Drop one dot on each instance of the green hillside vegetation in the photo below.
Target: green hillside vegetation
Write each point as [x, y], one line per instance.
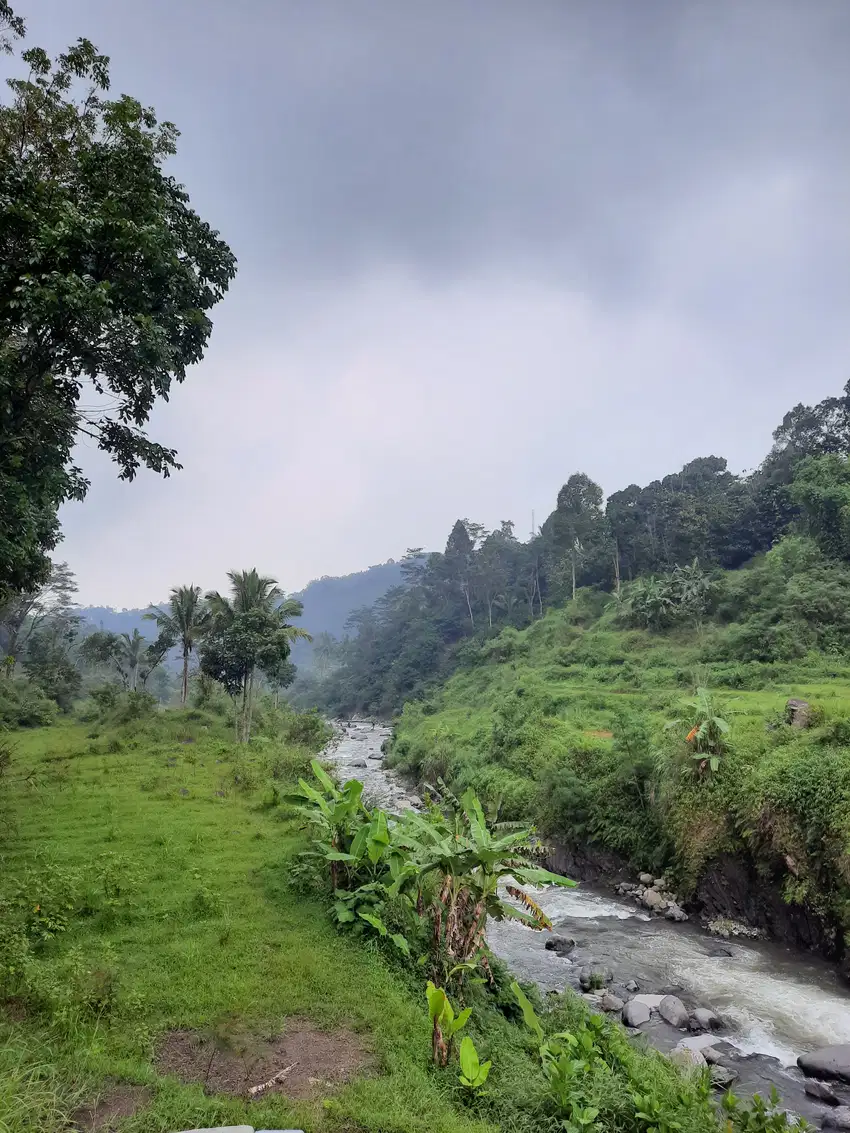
[154, 890]
[581, 723]
[663, 543]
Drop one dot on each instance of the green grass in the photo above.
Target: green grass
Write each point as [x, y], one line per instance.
[193, 841]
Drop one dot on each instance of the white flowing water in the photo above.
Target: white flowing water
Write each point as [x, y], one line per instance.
[776, 1002]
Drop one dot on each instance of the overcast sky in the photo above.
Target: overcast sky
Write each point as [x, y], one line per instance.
[482, 244]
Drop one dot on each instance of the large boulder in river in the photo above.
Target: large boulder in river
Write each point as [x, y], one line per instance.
[673, 1011]
[837, 1118]
[676, 913]
[830, 1062]
[687, 1059]
[706, 1020]
[653, 900]
[635, 1013]
[821, 1090]
[722, 1077]
[611, 1002]
[563, 945]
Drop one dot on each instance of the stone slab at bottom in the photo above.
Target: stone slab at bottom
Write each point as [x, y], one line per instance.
[222, 1129]
[239, 1129]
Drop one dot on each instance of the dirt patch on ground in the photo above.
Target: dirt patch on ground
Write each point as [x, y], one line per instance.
[317, 1061]
[600, 733]
[14, 1010]
[120, 1101]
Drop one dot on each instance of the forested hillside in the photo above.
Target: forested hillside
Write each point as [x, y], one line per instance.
[622, 678]
[661, 552]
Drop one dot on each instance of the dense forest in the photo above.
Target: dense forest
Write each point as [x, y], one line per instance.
[659, 551]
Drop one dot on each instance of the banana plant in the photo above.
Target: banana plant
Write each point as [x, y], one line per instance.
[335, 815]
[473, 1073]
[445, 1023]
[471, 862]
[442, 870]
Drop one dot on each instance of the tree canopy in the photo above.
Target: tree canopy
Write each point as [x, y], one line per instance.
[107, 276]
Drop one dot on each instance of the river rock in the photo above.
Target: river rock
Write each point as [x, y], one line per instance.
[646, 879]
[632, 986]
[674, 913]
[838, 1118]
[651, 1001]
[594, 976]
[659, 883]
[821, 1090]
[706, 1020]
[673, 1011]
[653, 900]
[563, 945]
[635, 1013]
[687, 1059]
[830, 1062]
[359, 763]
[722, 1077]
[712, 1055]
[612, 1002]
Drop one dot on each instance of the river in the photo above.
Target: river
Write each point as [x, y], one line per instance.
[775, 1002]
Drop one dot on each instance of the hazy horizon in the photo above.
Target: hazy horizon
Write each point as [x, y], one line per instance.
[480, 248]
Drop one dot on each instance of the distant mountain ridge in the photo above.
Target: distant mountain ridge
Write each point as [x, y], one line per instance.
[328, 602]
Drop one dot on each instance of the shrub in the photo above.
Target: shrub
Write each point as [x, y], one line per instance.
[24, 705]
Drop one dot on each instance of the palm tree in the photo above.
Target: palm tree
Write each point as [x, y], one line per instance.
[325, 650]
[130, 657]
[184, 620]
[253, 593]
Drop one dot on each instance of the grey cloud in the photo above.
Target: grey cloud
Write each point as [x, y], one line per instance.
[482, 243]
[458, 134]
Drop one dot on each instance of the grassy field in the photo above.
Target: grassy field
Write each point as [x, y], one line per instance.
[180, 917]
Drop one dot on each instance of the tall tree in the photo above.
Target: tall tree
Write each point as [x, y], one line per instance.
[458, 561]
[131, 656]
[325, 651]
[23, 615]
[106, 279]
[821, 490]
[576, 527]
[250, 632]
[184, 620]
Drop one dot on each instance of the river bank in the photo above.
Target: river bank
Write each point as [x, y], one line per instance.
[774, 1003]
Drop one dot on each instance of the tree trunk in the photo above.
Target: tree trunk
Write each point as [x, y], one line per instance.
[469, 607]
[250, 708]
[573, 564]
[184, 691]
[616, 568]
[242, 736]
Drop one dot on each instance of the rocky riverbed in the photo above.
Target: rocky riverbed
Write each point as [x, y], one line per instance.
[746, 1007]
